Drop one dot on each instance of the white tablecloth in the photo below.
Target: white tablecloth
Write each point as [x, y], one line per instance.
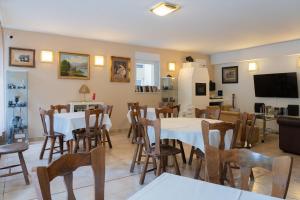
[173, 187]
[150, 114]
[65, 123]
[189, 130]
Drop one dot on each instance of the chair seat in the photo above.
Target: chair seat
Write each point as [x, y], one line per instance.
[166, 150]
[13, 148]
[56, 134]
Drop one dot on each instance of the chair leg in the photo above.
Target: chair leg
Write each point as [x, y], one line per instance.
[51, 149]
[158, 168]
[77, 144]
[230, 174]
[176, 165]
[154, 165]
[24, 168]
[251, 175]
[134, 158]
[88, 144]
[43, 148]
[144, 171]
[198, 168]
[191, 155]
[61, 145]
[182, 152]
[129, 132]
[140, 152]
[108, 138]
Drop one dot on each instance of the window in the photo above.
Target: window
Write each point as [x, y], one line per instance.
[147, 69]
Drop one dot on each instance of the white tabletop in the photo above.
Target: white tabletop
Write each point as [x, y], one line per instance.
[173, 187]
[189, 131]
[150, 114]
[65, 123]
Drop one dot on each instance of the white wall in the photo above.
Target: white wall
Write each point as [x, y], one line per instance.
[1, 82]
[46, 89]
[275, 58]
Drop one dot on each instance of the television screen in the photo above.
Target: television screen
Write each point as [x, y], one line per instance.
[276, 85]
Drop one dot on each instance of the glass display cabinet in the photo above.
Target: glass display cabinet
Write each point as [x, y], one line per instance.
[16, 106]
[169, 91]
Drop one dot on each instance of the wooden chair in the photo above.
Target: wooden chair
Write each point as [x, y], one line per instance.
[105, 134]
[129, 105]
[158, 152]
[65, 166]
[209, 113]
[247, 130]
[50, 134]
[222, 127]
[91, 132]
[59, 108]
[135, 115]
[171, 112]
[280, 167]
[18, 148]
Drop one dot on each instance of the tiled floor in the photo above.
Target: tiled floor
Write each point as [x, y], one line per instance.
[120, 183]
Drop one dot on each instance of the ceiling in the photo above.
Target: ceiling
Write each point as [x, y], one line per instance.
[207, 26]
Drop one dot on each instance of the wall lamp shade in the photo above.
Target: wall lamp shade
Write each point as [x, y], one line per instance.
[99, 60]
[172, 66]
[252, 67]
[47, 56]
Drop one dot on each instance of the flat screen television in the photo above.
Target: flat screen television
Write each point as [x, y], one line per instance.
[282, 85]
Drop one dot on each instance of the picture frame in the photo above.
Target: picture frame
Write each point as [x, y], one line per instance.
[74, 66]
[21, 57]
[230, 74]
[120, 69]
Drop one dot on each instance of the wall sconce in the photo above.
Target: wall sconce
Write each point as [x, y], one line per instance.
[252, 67]
[298, 62]
[99, 60]
[172, 66]
[47, 56]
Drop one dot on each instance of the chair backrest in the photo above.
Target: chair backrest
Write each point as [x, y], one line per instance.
[99, 113]
[230, 116]
[207, 113]
[107, 109]
[64, 166]
[135, 115]
[130, 104]
[166, 112]
[47, 115]
[247, 130]
[280, 167]
[59, 108]
[155, 124]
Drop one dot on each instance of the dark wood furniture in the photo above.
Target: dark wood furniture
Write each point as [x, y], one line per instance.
[50, 134]
[222, 127]
[247, 130]
[91, 132]
[169, 112]
[280, 167]
[129, 105]
[135, 115]
[158, 152]
[104, 133]
[59, 108]
[65, 166]
[18, 148]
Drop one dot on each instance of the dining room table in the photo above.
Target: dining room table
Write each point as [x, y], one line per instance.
[189, 131]
[173, 187]
[66, 123]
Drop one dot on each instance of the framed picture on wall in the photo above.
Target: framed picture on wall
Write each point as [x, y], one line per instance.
[120, 69]
[230, 74]
[19, 57]
[74, 66]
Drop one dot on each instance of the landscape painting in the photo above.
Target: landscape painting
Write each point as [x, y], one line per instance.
[74, 66]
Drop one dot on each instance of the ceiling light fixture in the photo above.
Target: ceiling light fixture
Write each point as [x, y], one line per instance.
[164, 8]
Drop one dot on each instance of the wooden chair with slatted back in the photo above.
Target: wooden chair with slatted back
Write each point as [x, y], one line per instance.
[158, 151]
[60, 107]
[171, 112]
[280, 167]
[136, 115]
[129, 105]
[105, 134]
[50, 134]
[91, 132]
[223, 129]
[65, 166]
[209, 113]
[247, 130]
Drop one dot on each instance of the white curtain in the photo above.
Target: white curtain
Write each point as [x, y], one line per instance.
[2, 89]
